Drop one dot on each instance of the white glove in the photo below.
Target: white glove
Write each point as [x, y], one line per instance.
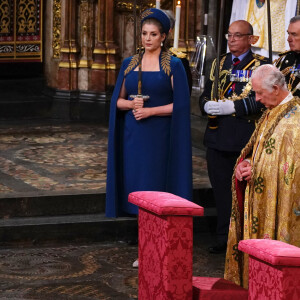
[220, 108]
[226, 107]
[211, 107]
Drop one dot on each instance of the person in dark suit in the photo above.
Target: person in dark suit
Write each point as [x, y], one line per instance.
[289, 61]
[235, 112]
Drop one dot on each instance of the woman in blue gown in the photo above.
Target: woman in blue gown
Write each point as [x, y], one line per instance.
[149, 147]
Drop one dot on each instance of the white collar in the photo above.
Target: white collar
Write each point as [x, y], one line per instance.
[288, 98]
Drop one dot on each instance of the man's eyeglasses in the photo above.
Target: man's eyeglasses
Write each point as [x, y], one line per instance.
[237, 36]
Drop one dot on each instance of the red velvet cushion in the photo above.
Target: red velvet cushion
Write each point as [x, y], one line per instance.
[217, 289]
[162, 203]
[272, 251]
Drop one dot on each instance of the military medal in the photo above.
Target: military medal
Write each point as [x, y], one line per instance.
[297, 71]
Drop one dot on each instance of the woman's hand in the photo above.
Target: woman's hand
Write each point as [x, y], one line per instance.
[146, 112]
[137, 103]
[243, 171]
[142, 113]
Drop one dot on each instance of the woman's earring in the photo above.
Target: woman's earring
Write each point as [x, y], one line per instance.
[161, 44]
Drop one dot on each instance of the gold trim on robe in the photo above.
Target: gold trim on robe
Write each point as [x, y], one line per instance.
[272, 196]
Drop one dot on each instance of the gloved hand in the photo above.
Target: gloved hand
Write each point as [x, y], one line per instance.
[211, 107]
[226, 107]
[220, 108]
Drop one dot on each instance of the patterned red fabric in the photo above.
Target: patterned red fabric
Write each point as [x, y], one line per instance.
[165, 256]
[273, 282]
[162, 203]
[272, 251]
[209, 288]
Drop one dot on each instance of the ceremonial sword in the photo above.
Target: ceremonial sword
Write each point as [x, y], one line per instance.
[139, 93]
[212, 120]
[269, 32]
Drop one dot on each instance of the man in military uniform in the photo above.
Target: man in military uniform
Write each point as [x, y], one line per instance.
[235, 111]
[289, 62]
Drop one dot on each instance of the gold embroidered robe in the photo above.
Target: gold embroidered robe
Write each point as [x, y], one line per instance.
[272, 196]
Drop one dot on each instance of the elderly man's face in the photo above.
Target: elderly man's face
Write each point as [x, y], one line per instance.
[264, 96]
[242, 43]
[294, 36]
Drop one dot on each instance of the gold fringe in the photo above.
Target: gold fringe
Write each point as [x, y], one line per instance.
[212, 75]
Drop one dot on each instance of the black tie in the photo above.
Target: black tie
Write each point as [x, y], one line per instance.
[236, 61]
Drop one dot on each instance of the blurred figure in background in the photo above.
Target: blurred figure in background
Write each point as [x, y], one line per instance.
[289, 62]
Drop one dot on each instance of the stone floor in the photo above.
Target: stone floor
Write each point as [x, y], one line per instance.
[49, 159]
[84, 272]
[41, 158]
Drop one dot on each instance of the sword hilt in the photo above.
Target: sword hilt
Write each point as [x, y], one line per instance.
[144, 97]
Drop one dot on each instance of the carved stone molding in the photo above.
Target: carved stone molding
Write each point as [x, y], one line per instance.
[21, 31]
[86, 32]
[56, 44]
[68, 65]
[105, 58]
[128, 5]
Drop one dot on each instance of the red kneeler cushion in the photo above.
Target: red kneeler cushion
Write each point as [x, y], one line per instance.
[210, 288]
[165, 204]
[274, 252]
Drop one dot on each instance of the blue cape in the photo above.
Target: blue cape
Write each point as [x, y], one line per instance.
[179, 167]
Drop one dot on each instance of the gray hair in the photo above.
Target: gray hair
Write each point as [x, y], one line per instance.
[295, 19]
[269, 76]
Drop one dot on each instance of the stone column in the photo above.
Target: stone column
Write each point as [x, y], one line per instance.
[112, 60]
[68, 72]
[98, 74]
[105, 63]
[190, 30]
[86, 21]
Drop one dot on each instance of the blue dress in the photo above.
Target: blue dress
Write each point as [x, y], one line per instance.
[144, 155]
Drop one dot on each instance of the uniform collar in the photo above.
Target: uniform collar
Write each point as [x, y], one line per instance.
[241, 57]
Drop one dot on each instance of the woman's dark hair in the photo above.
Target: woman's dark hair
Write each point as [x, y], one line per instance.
[160, 28]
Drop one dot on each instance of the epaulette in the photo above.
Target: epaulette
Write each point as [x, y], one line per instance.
[284, 53]
[259, 57]
[222, 55]
[177, 53]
